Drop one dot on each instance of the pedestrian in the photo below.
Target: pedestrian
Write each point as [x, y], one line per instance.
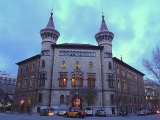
[123, 113]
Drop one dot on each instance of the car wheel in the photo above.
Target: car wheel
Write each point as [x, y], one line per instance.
[77, 115]
[66, 115]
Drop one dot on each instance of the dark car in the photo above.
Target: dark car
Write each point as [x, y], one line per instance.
[75, 112]
[100, 113]
[62, 112]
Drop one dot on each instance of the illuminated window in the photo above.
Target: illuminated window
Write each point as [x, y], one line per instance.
[110, 80]
[77, 64]
[31, 82]
[24, 83]
[63, 64]
[63, 80]
[77, 79]
[29, 98]
[91, 65]
[73, 80]
[91, 80]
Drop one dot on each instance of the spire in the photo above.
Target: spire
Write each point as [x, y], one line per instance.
[50, 23]
[103, 25]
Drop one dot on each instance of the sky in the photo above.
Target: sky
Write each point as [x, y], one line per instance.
[135, 25]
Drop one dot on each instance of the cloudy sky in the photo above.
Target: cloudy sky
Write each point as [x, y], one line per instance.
[135, 24]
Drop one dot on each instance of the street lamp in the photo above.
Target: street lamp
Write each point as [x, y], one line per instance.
[22, 100]
[67, 102]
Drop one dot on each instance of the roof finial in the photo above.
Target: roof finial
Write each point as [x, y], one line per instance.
[102, 15]
[121, 57]
[52, 11]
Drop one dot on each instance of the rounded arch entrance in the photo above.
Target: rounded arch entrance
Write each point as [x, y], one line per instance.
[77, 102]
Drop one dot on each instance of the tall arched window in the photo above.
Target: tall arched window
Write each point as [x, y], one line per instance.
[77, 64]
[90, 65]
[110, 80]
[73, 80]
[62, 99]
[110, 65]
[63, 80]
[43, 63]
[63, 64]
[91, 80]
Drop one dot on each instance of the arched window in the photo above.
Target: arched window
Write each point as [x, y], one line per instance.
[63, 80]
[91, 80]
[62, 99]
[77, 64]
[42, 79]
[110, 65]
[110, 80]
[73, 80]
[90, 65]
[43, 63]
[63, 64]
[27, 69]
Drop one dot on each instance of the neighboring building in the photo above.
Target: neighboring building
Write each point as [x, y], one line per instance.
[60, 67]
[152, 94]
[7, 89]
[129, 87]
[7, 79]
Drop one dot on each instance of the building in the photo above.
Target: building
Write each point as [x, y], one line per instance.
[59, 68]
[7, 89]
[129, 87]
[152, 94]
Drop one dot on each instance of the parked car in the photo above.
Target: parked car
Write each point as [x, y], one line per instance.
[62, 112]
[89, 111]
[142, 112]
[100, 113]
[75, 112]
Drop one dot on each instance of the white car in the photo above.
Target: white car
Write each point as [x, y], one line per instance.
[89, 111]
[142, 112]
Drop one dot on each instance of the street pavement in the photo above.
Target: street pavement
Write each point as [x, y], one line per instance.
[18, 116]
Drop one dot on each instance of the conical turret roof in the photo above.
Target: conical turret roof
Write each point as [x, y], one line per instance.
[103, 24]
[50, 22]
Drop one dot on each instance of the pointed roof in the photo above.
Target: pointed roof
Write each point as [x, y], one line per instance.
[50, 23]
[103, 25]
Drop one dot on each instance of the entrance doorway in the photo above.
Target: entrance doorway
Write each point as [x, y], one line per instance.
[77, 102]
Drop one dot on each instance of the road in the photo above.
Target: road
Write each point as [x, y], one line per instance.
[4, 116]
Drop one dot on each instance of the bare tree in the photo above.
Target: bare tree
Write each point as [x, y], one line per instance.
[6, 91]
[88, 94]
[153, 66]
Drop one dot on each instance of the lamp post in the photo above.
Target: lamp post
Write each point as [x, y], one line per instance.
[67, 102]
[22, 100]
[77, 85]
